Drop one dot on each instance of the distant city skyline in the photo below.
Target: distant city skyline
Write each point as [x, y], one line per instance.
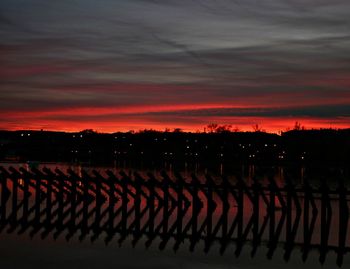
[146, 64]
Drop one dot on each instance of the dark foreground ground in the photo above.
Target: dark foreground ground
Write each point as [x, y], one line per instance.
[22, 252]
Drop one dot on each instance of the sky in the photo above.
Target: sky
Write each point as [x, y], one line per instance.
[116, 65]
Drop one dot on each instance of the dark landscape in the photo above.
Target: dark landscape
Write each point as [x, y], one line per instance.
[155, 148]
[174, 134]
[180, 190]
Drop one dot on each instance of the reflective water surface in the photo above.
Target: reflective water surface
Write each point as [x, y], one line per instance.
[311, 224]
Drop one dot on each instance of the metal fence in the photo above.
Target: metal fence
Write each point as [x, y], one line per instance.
[176, 210]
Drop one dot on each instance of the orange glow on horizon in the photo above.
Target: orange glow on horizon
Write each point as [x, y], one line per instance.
[188, 117]
[274, 125]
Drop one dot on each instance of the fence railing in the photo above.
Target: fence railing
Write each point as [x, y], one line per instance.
[93, 205]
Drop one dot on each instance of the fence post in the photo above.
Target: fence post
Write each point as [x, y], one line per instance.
[343, 221]
[326, 214]
[5, 195]
[196, 208]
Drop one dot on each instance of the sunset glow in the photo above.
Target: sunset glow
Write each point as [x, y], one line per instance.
[134, 65]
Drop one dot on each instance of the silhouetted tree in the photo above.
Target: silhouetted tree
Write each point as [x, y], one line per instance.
[177, 130]
[257, 128]
[212, 127]
[223, 129]
[88, 131]
[298, 126]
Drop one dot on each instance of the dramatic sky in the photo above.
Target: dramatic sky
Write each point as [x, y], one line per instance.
[114, 65]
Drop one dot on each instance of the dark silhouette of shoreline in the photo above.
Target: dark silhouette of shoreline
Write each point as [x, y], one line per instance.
[327, 146]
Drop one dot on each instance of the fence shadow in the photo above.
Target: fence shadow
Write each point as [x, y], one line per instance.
[91, 205]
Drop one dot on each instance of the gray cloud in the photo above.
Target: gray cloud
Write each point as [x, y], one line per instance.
[113, 53]
[326, 112]
[311, 111]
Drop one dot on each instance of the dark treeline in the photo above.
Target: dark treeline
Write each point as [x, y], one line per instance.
[296, 146]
